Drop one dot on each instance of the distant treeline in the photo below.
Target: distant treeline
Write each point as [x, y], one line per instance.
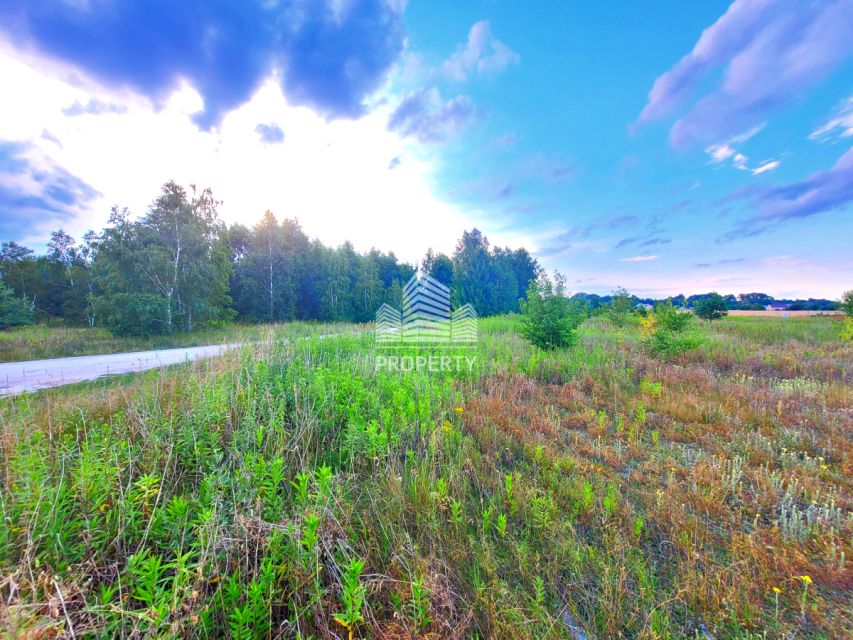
[179, 267]
[742, 301]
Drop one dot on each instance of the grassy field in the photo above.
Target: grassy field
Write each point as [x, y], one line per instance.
[290, 490]
[42, 341]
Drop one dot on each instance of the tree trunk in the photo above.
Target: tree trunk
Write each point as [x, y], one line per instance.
[169, 311]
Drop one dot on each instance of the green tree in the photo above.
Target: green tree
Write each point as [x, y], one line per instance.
[847, 303]
[17, 268]
[175, 257]
[368, 293]
[712, 307]
[550, 320]
[14, 311]
[503, 287]
[620, 307]
[438, 266]
[754, 300]
[471, 271]
[336, 286]
[526, 270]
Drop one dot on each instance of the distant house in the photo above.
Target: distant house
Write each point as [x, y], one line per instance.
[776, 306]
[645, 305]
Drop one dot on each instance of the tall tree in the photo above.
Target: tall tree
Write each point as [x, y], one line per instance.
[438, 266]
[175, 257]
[471, 271]
[17, 268]
[368, 292]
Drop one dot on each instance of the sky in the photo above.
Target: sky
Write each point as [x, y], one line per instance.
[666, 147]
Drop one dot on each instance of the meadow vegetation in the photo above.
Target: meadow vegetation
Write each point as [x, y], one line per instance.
[60, 341]
[289, 489]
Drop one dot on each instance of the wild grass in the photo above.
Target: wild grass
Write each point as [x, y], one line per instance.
[48, 341]
[291, 490]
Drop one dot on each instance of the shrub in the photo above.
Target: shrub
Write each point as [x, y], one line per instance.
[665, 331]
[14, 311]
[550, 319]
[847, 330]
[132, 314]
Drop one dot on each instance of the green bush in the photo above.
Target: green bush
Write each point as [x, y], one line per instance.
[550, 320]
[132, 314]
[14, 311]
[665, 331]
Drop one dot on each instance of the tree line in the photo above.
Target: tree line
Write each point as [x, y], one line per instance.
[179, 267]
[742, 301]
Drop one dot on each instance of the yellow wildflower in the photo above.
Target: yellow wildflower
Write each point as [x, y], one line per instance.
[806, 579]
[777, 590]
[458, 409]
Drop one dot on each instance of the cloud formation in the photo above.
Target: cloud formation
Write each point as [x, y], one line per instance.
[93, 107]
[821, 192]
[329, 55]
[424, 115]
[769, 51]
[482, 54]
[35, 193]
[706, 265]
[764, 167]
[652, 242]
[727, 151]
[640, 259]
[840, 125]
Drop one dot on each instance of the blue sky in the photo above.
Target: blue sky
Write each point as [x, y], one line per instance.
[667, 147]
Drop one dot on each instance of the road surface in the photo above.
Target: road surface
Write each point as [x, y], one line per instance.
[32, 375]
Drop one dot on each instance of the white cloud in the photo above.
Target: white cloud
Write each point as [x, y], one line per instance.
[639, 259]
[332, 176]
[841, 124]
[481, 54]
[765, 167]
[739, 161]
[720, 153]
[725, 151]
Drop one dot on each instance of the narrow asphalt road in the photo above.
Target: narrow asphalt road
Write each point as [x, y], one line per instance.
[32, 375]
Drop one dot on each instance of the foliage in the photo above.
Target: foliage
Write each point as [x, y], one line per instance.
[493, 280]
[847, 330]
[173, 258]
[133, 314]
[620, 307]
[178, 268]
[665, 331]
[438, 266]
[14, 311]
[847, 303]
[711, 307]
[549, 319]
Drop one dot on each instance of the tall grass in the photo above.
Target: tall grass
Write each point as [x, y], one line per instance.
[290, 489]
[47, 341]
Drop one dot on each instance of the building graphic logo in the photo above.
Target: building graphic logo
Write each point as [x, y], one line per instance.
[426, 319]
